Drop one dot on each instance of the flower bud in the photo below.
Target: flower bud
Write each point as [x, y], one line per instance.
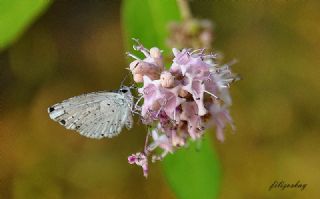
[140, 68]
[183, 93]
[133, 65]
[138, 78]
[155, 52]
[166, 79]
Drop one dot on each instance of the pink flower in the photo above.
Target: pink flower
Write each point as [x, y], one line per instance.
[151, 65]
[182, 102]
[151, 93]
[190, 62]
[141, 160]
[160, 140]
[220, 117]
[191, 116]
[157, 98]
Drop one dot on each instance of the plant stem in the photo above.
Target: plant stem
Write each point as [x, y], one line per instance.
[184, 9]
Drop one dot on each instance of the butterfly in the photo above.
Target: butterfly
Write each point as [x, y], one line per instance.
[96, 115]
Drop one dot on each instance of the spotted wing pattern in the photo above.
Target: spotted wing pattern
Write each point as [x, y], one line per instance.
[95, 115]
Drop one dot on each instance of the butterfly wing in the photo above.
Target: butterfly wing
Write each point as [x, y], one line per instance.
[94, 115]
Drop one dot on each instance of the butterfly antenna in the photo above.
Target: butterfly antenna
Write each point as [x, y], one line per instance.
[124, 79]
[133, 86]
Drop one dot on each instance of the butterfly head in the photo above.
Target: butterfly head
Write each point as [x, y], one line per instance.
[124, 89]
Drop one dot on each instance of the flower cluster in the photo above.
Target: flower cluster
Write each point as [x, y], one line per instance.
[179, 103]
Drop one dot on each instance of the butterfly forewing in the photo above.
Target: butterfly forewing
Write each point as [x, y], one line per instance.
[95, 115]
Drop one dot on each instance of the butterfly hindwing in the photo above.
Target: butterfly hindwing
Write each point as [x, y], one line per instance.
[94, 115]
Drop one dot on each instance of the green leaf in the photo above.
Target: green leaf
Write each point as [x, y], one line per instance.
[147, 20]
[191, 172]
[194, 172]
[16, 16]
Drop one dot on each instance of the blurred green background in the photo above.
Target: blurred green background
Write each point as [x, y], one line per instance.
[77, 46]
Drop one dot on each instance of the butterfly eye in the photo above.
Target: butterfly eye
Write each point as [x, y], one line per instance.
[124, 90]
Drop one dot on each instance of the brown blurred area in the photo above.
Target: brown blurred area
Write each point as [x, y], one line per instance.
[77, 47]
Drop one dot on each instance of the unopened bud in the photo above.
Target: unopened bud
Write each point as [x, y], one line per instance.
[166, 79]
[138, 78]
[134, 64]
[183, 93]
[155, 52]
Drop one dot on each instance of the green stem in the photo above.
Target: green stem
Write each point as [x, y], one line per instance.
[184, 9]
